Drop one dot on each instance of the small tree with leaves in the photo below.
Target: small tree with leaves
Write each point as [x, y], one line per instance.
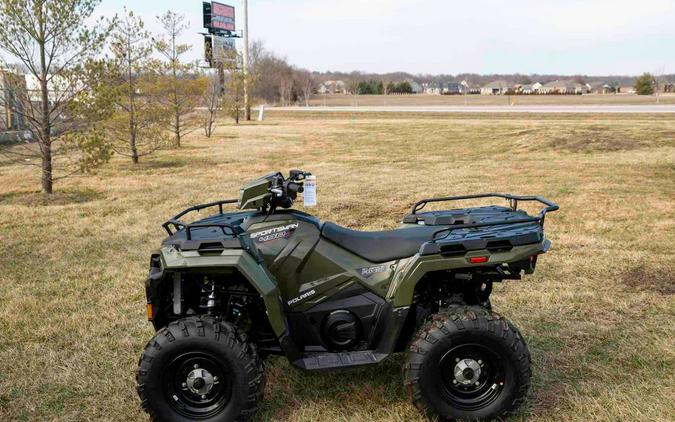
[59, 105]
[644, 84]
[137, 127]
[181, 91]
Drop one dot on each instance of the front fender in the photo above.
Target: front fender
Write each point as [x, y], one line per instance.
[244, 263]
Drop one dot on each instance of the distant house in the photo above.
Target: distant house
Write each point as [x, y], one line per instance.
[12, 96]
[433, 88]
[499, 87]
[668, 87]
[333, 87]
[529, 89]
[603, 88]
[416, 88]
[470, 88]
[453, 88]
[563, 87]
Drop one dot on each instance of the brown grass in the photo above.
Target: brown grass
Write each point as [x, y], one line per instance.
[595, 315]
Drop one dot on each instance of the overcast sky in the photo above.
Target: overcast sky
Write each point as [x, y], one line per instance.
[595, 37]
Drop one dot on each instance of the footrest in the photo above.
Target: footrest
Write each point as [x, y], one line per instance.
[319, 361]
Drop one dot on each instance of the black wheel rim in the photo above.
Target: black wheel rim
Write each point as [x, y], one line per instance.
[480, 380]
[184, 399]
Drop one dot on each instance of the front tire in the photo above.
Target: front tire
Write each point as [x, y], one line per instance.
[199, 368]
[467, 363]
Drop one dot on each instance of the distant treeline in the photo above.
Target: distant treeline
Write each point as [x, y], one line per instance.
[373, 87]
[475, 78]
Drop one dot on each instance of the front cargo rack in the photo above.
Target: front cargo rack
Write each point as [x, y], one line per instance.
[522, 216]
[177, 224]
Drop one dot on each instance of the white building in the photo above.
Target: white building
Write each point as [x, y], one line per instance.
[333, 87]
[499, 87]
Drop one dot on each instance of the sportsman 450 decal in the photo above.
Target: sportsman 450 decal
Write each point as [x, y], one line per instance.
[274, 233]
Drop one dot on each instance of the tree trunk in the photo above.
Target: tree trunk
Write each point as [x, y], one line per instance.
[177, 128]
[209, 125]
[47, 179]
[132, 146]
[132, 107]
[45, 126]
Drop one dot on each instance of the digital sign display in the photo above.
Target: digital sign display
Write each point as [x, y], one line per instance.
[218, 17]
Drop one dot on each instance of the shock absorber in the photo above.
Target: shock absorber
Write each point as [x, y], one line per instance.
[211, 300]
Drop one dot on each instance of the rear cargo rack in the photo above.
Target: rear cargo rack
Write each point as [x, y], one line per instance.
[177, 224]
[513, 202]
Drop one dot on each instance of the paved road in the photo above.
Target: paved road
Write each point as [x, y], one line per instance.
[665, 108]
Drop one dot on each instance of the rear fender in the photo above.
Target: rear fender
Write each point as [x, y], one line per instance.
[411, 270]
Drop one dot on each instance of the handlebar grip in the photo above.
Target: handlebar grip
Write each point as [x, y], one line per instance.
[295, 188]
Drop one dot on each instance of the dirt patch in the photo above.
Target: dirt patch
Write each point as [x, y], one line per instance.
[547, 400]
[155, 163]
[595, 141]
[66, 197]
[643, 279]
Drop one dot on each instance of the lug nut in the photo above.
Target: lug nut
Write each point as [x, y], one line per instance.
[477, 383]
[196, 366]
[184, 385]
[203, 396]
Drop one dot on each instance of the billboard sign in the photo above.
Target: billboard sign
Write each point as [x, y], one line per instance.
[218, 17]
[222, 47]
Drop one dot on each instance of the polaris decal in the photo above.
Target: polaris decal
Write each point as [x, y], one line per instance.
[274, 233]
[301, 297]
[368, 271]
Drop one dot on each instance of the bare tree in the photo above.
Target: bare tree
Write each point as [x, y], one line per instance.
[136, 129]
[285, 87]
[307, 85]
[181, 92]
[213, 102]
[658, 83]
[233, 99]
[52, 41]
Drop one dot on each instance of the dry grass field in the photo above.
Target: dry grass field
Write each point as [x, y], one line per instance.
[598, 313]
[488, 100]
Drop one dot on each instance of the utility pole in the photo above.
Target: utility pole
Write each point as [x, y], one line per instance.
[247, 103]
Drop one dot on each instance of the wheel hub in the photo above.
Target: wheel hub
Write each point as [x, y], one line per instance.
[200, 381]
[467, 371]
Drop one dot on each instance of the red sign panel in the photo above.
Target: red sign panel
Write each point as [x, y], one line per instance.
[222, 16]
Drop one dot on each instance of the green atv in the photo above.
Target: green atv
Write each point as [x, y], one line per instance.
[228, 290]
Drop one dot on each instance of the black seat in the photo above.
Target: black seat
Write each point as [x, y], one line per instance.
[380, 246]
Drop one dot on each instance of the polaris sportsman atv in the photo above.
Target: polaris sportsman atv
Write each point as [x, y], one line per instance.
[226, 291]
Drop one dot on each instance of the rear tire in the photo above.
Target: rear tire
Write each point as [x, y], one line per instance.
[199, 368]
[467, 363]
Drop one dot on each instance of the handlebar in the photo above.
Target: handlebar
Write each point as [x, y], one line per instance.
[293, 187]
